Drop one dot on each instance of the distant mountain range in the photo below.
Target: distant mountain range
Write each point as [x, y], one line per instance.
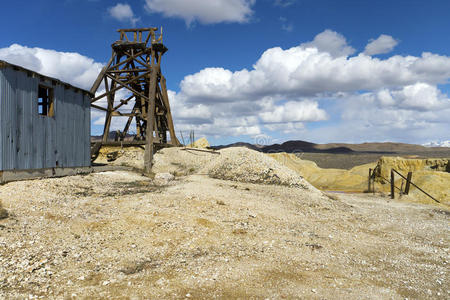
[111, 137]
[307, 147]
[437, 144]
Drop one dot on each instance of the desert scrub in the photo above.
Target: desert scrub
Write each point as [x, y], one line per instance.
[3, 212]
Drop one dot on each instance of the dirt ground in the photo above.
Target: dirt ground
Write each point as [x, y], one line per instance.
[122, 235]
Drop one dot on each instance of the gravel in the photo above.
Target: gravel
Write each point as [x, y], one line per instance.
[238, 164]
[120, 235]
[245, 165]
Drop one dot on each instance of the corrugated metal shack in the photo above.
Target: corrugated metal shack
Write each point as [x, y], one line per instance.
[45, 123]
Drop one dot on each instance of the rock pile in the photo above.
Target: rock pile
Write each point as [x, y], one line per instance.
[237, 164]
[200, 143]
[246, 165]
[353, 180]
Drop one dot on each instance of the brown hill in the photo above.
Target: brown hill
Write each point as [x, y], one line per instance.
[307, 147]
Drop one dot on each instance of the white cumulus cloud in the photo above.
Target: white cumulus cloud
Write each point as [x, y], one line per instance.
[331, 42]
[70, 67]
[419, 96]
[292, 111]
[123, 12]
[285, 87]
[305, 71]
[383, 44]
[205, 12]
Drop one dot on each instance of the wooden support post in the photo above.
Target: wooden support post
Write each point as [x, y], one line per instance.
[128, 124]
[108, 114]
[148, 155]
[165, 98]
[370, 178]
[408, 183]
[392, 184]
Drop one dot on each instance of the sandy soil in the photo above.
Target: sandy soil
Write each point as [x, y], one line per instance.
[118, 234]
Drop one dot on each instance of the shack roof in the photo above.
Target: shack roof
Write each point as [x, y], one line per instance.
[5, 64]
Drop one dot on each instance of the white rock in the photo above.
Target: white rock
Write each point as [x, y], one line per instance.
[163, 178]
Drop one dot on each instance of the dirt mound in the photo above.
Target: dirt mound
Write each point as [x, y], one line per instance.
[176, 160]
[129, 156]
[434, 183]
[237, 164]
[432, 175]
[245, 165]
[385, 164]
[200, 143]
[354, 179]
[180, 161]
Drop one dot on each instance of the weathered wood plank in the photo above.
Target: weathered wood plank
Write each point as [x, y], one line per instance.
[100, 76]
[148, 155]
[165, 97]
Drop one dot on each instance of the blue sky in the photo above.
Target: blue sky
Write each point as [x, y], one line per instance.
[262, 70]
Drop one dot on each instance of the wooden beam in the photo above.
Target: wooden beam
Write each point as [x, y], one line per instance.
[118, 88]
[165, 97]
[98, 107]
[143, 63]
[131, 57]
[138, 29]
[125, 85]
[148, 155]
[127, 71]
[108, 114]
[123, 102]
[120, 114]
[100, 76]
[130, 119]
[150, 34]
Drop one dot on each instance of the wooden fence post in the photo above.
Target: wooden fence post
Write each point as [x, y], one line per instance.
[370, 178]
[408, 182]
[392, 185]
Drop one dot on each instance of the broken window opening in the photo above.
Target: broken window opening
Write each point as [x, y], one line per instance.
[45, 101]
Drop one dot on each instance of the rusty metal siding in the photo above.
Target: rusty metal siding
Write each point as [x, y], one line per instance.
[31, 141]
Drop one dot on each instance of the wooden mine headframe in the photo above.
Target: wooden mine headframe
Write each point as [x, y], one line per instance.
[135, 70]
